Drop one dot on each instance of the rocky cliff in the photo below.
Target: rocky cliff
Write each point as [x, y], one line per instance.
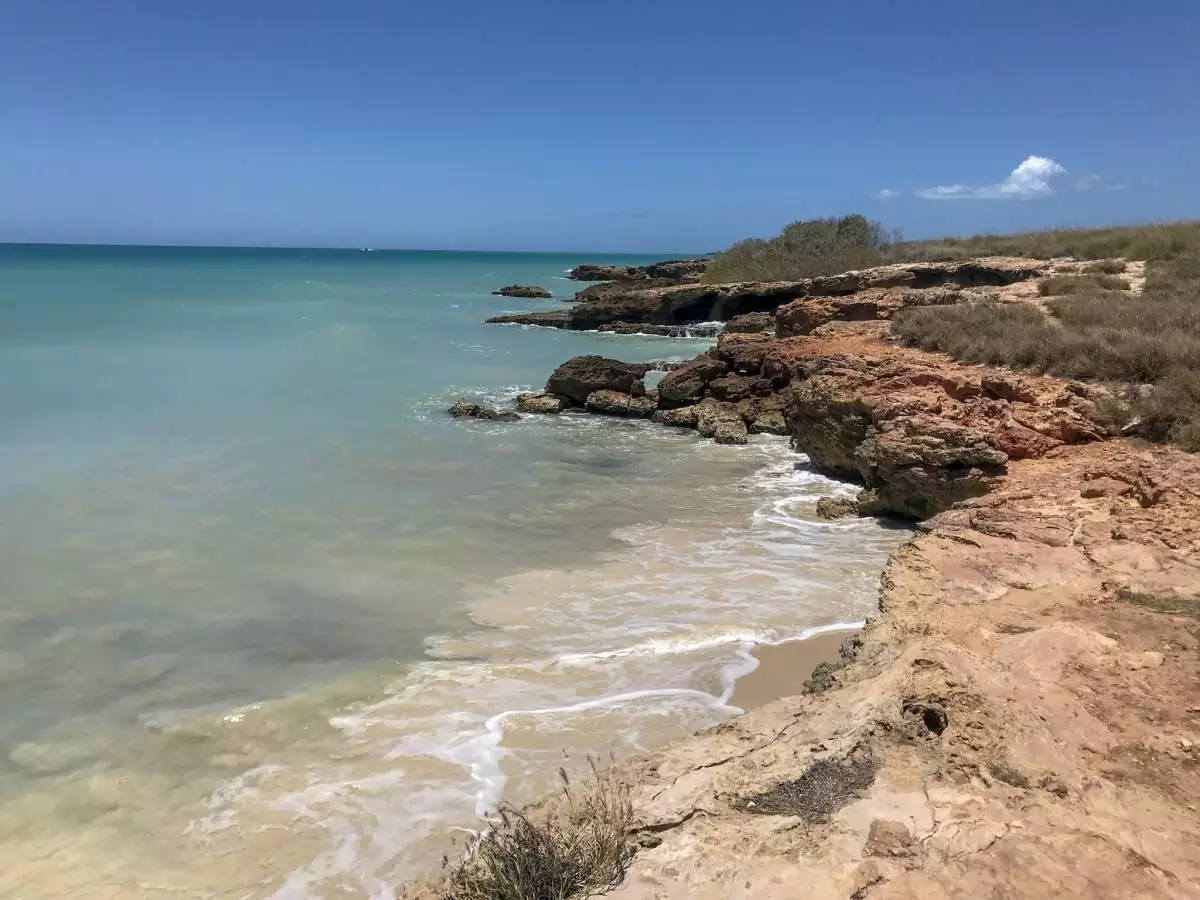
[853, 296]
[1022, 719]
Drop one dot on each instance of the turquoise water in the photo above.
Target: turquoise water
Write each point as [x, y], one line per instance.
[253, 576]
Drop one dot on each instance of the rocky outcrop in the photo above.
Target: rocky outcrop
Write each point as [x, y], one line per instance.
[545, 404]
[672, 269]
[1022, 718]
[751, 323]
[581, 376]
[523, 290]
[805, 315]
[722, 422]
[637, 299]
[614, 403]
[549, 319]
[465, 409]
[686, 384]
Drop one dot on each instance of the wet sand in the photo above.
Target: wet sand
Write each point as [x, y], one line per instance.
[783, 668]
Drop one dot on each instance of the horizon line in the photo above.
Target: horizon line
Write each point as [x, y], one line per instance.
[348, 249]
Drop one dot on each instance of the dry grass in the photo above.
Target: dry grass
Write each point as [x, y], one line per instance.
[831, 246]
[579, 850]
[1105, 267]
[1080, 284]
[1174, 604]
[1151, 341]
[1146, 242]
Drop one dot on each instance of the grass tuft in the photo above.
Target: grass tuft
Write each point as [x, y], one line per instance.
[579, 850]
[1176, 604]
[1079, 284]
[1105, 267]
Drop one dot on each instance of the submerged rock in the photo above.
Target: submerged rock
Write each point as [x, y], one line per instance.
[581, 376]
[465, 409]
[523, 290]
[540, 403]
[614, 403]
[836, 508]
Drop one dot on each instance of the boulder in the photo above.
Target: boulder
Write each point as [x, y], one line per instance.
[615, 403]
[686, 384]
[540, 403]
[732, 388]
[523, 290]
[722, 422]
[744, 353]
[465, 409]
[681, 417]
[581, 376]
[771, 422]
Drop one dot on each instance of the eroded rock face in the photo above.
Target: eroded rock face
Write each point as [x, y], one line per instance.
[917, 466]
[614, 403]
[751, 323]
[523, 290]
[545, 404]
[465, 409]
[805, 315]
[581, 376]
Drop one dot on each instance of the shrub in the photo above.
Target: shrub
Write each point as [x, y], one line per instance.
[805, 250]
[1074, 284]
[1147, 242]
[1105, 267]
[578, 851]
[1152, 340]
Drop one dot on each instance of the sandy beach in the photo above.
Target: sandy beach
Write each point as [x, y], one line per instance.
[783, 668]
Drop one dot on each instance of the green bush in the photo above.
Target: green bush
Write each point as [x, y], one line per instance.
[805, 250]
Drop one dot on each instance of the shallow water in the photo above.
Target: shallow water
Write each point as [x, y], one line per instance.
[272, 625]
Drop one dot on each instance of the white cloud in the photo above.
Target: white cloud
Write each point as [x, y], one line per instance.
[1094, 182]
[885, 194]
[1030, 180]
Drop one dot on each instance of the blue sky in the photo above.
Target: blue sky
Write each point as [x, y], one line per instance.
[531, 124]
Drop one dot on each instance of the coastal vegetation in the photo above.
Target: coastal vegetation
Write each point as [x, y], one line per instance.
[1148, 345]
[580, 848]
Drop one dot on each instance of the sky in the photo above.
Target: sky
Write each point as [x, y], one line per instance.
[657, 125]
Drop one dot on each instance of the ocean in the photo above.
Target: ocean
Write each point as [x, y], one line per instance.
[272, 625]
